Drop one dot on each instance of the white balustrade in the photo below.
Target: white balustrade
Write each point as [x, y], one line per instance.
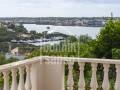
[6, 80]
[70, 81]
[94, 84]
[117, 83]
[21, 85]
[28, 79]
[81, 83]
[105, 84]
[14, 79]
[39, 75]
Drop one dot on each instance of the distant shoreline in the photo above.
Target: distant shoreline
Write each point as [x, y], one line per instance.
[59, 21]
[70, 25]
[66, 25]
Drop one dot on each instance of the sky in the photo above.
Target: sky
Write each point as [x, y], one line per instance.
[59, 8]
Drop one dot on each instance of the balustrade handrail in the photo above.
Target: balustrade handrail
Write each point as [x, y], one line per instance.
[20, 63]
[86, 60]
[60, 59]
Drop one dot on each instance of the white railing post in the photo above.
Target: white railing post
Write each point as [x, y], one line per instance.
[14, 79]
[6, 80]
[21, 85]
[81, 83]
[105, 84]
[70, 81]
[94, 84]
[117, 83]
[28, 85]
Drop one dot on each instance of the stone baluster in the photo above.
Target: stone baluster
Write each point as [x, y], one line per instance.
[21, 85]
[70, 81]
[28, 85]
[94, 84]
[117, 83]
[81, 83]
[14, 79]
[6, 80]
[105, 84]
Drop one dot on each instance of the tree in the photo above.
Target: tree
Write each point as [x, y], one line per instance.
[86, 51]
[20, 29]
[11, 25]
[116, 53]
[2, 59]
[72, 39]
[108, 38]
[6, 35]
[33, 32]
[84, 38]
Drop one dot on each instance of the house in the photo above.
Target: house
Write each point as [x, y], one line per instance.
[24, 35]
[15, 53]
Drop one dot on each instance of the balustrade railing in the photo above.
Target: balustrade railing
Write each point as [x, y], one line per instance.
[47, 73]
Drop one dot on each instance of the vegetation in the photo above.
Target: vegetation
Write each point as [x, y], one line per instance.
[108, 39]
[116, 53]
[6, 35]
[3, 60]
[106, 45]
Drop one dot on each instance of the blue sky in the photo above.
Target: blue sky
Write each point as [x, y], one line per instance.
[56, 8]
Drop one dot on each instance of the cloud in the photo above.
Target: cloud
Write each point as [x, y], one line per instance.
[70, 8]
[80, 1]
[49, 3]
[59, 1]
[96, 1]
